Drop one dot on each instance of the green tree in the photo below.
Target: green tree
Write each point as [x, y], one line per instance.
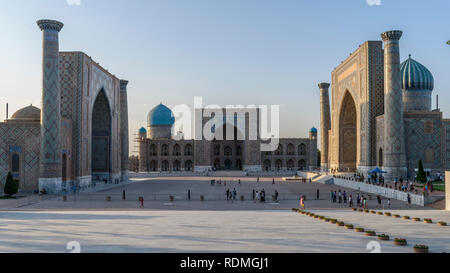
[421, 175]
[11, 186]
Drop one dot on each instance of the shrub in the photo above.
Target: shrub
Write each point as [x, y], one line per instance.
[397, 216]
[383, 237]
[416, 219]
[11, 186]
[349, 226]
[442, 224]
[387, 214]
[420, 249]
[400, 241]
[379, 213]
[340, 224]
[354, 209]
[406, 217]
[428, 220]
[373, 212]
[359, 229]
[370, 233]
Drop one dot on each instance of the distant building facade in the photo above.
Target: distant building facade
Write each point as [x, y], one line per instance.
[159, 151]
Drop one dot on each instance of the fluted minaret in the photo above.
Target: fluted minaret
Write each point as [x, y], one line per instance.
[325, 124]
[124, 134]
[50, 153]
[394, 141]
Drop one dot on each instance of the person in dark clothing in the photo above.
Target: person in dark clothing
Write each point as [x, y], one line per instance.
[318, 194]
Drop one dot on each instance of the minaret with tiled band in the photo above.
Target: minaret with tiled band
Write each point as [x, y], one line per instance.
[325, 124]
[50, 153]
[394, 140]
[124, 130]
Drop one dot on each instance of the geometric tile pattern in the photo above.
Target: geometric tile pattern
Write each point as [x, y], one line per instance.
[50, 158]
[394, 141]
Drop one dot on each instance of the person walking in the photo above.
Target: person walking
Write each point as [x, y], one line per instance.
[234, 194]
[340, 196]
[141, 202]
[344, 195]
[379, 201]
[317, 194]
[358, 200]
[364, 203]
[302, 202]
[253, 196]
[388, 203]
[228, 194]
[276, 196]
[331, 196]
[409, 200]
[350, 201]
[273, 181]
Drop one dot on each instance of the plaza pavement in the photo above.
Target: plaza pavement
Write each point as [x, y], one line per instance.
[214, 225]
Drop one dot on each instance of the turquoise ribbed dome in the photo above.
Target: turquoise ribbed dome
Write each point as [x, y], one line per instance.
[416, 76]
[160, 115]
[313, 130]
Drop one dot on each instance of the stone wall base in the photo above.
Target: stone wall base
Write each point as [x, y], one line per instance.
[50, 185]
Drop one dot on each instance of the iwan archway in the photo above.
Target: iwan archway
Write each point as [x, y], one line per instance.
[101, 139]
[347, 134]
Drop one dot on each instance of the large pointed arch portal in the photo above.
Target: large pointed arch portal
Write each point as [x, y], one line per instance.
[101, 138]
[347, 134]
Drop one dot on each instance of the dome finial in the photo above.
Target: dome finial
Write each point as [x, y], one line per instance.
[410, 56]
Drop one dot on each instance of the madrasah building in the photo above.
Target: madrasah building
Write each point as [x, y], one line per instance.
[381, 114]
[81, 133]
[160, 150]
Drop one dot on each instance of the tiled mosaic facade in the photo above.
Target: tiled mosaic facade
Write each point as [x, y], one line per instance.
[169, 155]
[397, 142]
[68, 142]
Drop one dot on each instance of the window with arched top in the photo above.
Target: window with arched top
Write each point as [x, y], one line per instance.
[290, 164]
[165, 166]
[279, 164]
[188, 150]
[279, 151]
[302, 164]
[165, 150]
[153, 166]
[228, 151]
[267, 165]
[290, 149]
[188, 165]
[302, 149]
[176, 165]
[153, 150]
[176, 150]
[217, 149]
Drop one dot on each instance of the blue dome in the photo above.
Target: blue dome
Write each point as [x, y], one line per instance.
[160, 115]
[313, 130]
[415, 76]
[142, 130]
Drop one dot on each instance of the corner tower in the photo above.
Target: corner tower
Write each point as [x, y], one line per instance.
[124, 134]
[394, 140]
[325, 124]
[50, 173]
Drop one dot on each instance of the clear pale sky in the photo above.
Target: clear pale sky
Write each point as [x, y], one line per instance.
[228, 52]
